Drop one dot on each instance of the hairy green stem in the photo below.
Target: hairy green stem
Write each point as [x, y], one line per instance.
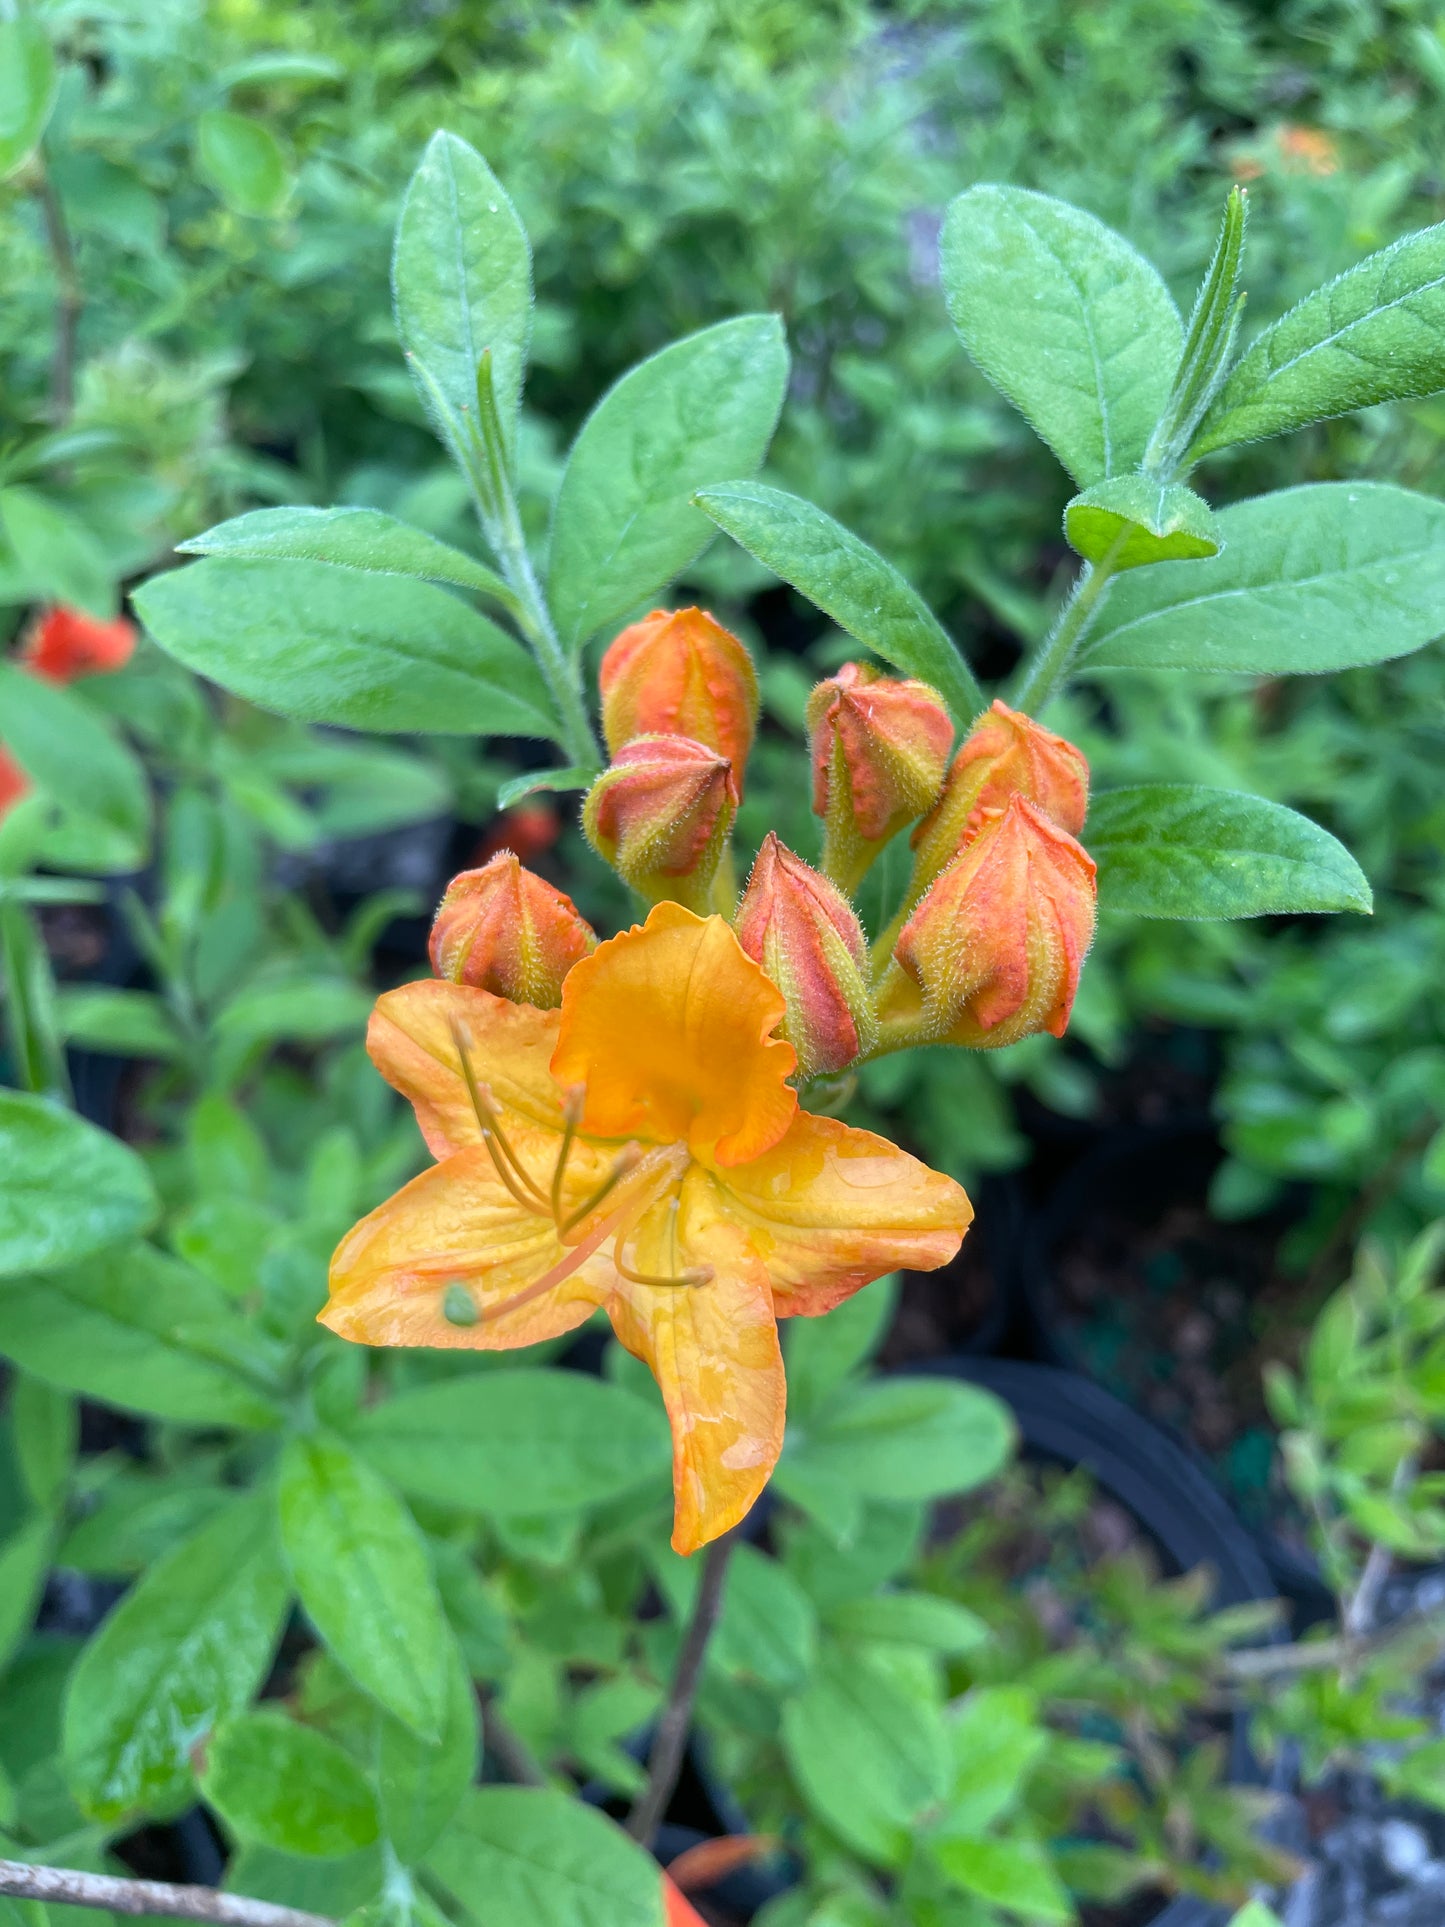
[1047, 667]
[578, 737]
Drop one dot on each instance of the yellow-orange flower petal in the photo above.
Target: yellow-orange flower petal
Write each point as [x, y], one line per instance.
[830, 1208]
[668, 1028]
[456, 1226]
[713, 1349]
[412, 1040]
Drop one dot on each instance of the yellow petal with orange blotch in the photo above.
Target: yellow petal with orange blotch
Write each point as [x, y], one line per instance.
[713, 1349]
[668, 1027]
[412, 1040]
[457, 1224]
[830, 1208]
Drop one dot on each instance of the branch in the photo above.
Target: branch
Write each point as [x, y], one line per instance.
[71, 299]
[509, 1749]
[669, 1743]
[118, 1895]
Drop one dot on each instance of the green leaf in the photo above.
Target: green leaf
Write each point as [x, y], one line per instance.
[24, 1562]
[421, 1786]
[335, 1888]
[361, 1568]
[997, 1740]
[76, 757]
[67, 1190]
[183, 1651]
[1015, 1874]
[349, 538]
[1065, 319]
[58, 558]
[912, 1438]
[849, 582]
[335, 646]
[1209, 344]
[516, 1444]
[1312, 579]
[28, 81]
[1177, 850]
[768, 1629]
[624, 524]
[532, 780]
[1375, 333]
[289, 1787]
[461, 278]
[29, 998]
[1136, 521]
[911, 1619]
[868, 1755]
[46, 1429]
[532, 1857]
[821, 1353]
[136, 1329]
[243, 162]
[130, 1023]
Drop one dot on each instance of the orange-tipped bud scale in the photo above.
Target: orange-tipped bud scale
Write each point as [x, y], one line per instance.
[505, 930]
[993, 951]
[680, 673]
[1006, 754]
[802, 930]
[661, 815]
[879, 746]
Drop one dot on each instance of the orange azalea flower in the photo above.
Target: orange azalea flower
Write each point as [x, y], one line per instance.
[641, 1150]
[677, 1909]
[65, 643]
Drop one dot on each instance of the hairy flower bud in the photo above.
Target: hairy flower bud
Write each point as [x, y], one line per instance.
[65, 643]
[503, 929]
[802, 930]
[680, 673]
[993, 951]
[879, 747]
[1005, 754]
[661, 815]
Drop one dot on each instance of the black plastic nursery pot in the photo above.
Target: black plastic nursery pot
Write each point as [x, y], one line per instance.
[1067, 1418]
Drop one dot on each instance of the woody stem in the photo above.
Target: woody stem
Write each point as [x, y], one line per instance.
[118, 1895]
[664, 1762]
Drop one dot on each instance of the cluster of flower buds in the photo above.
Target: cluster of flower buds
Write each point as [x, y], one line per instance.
[998, 914]
[1000, 910]
[679, 708]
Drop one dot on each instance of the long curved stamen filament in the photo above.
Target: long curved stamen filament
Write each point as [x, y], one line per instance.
[627, 1161]
[619, 1225]
[690, 1275]
[572, 1117]
[509, 1166]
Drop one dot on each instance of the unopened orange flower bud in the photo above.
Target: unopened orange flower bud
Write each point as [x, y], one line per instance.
[680, 673]
[14, 783]
[1005, 754]
[503, 929]
[879, 746]
[65, 643]
[802, 930]
[661, 815]
[994, 949]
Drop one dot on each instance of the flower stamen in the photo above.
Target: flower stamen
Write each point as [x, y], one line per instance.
[572, 1117]
[508, 1165]
[627, 1161]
